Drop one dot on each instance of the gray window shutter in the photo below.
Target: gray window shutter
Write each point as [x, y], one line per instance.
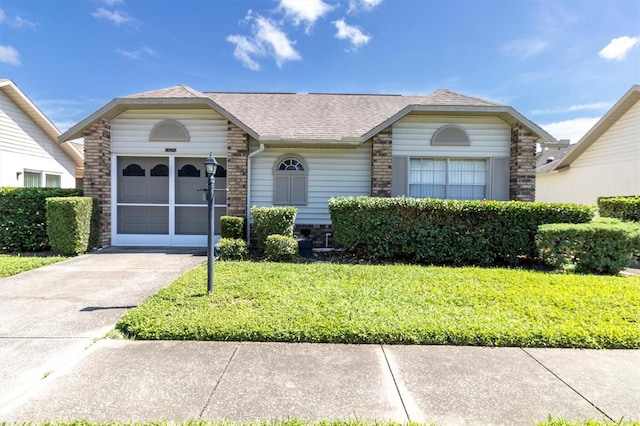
[500, 178]
[298, 190]
[281, 190]
[399, 177]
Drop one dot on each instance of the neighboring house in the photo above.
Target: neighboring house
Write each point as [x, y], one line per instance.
[144, 156]
[29, 151]
[605, 162]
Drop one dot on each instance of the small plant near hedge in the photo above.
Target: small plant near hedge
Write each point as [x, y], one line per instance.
[280, 248]
[232, 227]
[232, 249]
[605, 246]
[623, 208]
[23, 217]
[273, 220]
[446, 232]
[71, 224]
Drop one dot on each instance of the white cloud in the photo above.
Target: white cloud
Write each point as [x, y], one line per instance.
[268, 39]
[245, 49]
[347, 32]
[9, 55]
[524, 48]
[308, 11]
[116, 17]
[366, 5]
[18, 22]
[137, 54]
[573, 129]
[618, 48]
[574, 108]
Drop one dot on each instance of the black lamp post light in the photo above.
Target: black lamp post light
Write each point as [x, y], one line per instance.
[210, 165]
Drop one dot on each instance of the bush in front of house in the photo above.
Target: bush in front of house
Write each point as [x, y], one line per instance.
[447, 232]
[605, 246]
[232, 227]
[273, 220]
[623, 208]
[72, 227]
[232, 249]
[280, 248]
[23, 217]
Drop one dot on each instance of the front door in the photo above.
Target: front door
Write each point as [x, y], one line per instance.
[160, 201]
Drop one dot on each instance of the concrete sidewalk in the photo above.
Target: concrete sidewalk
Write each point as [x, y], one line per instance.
[50, 315]
[52, 368]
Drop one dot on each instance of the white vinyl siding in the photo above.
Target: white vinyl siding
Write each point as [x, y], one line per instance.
[610, 166]
[488, 150]
[331, 173]
[207, 133]
[24, 145]
[619, 144]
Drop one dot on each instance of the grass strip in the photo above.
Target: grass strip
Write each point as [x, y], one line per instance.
[12, 264]
[393, 304]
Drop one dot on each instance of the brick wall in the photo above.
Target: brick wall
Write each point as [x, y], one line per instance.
[381, 164]
[522, 182]
[97, 178]
[237, 154]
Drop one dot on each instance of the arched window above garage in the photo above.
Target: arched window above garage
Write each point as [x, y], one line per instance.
[450, 135]
[169, 131]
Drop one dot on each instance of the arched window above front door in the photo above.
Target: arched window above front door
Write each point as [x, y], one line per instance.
[169, 131]
[290, 181]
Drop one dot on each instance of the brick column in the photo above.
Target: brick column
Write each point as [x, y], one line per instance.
[381, 164]
[97, 178]
[522, 182]
[237, 155]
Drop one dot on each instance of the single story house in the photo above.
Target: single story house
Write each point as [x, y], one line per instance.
[605, 162]
[144, 156]
[30, 155]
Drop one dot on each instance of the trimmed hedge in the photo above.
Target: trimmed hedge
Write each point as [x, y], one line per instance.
[232, 227]
[232, 249]
[606, 246]
[623, 208]
[447, 232]
[273, 220]
[71, 224]
[23, 217]
[280, 248]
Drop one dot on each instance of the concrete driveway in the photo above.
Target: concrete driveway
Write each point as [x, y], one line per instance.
[48, 316]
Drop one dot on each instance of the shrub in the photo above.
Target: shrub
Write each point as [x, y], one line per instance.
[623, 208]
[280, 248]
[450, 232]
[23, 217]
[232, 249]
[232, 227]
[600, 247]
[273, 220]
[69, 224]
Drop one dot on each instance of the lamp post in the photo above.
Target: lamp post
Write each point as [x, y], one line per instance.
[210, 165]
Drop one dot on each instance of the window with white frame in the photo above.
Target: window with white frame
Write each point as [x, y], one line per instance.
[448, 178]
[290, 181]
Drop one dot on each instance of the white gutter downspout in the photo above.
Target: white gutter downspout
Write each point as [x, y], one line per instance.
[254, 153]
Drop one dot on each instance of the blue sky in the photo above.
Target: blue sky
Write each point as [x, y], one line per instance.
[561, 63]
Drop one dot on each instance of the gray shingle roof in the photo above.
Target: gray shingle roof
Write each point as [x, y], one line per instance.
[313, 117]
[325, 116]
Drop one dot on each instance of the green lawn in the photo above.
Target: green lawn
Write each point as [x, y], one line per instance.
[403, 304]
[12, 264]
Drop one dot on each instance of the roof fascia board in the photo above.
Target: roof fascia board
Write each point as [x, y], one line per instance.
[625, 103]
[119, 105]
[473, 110]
